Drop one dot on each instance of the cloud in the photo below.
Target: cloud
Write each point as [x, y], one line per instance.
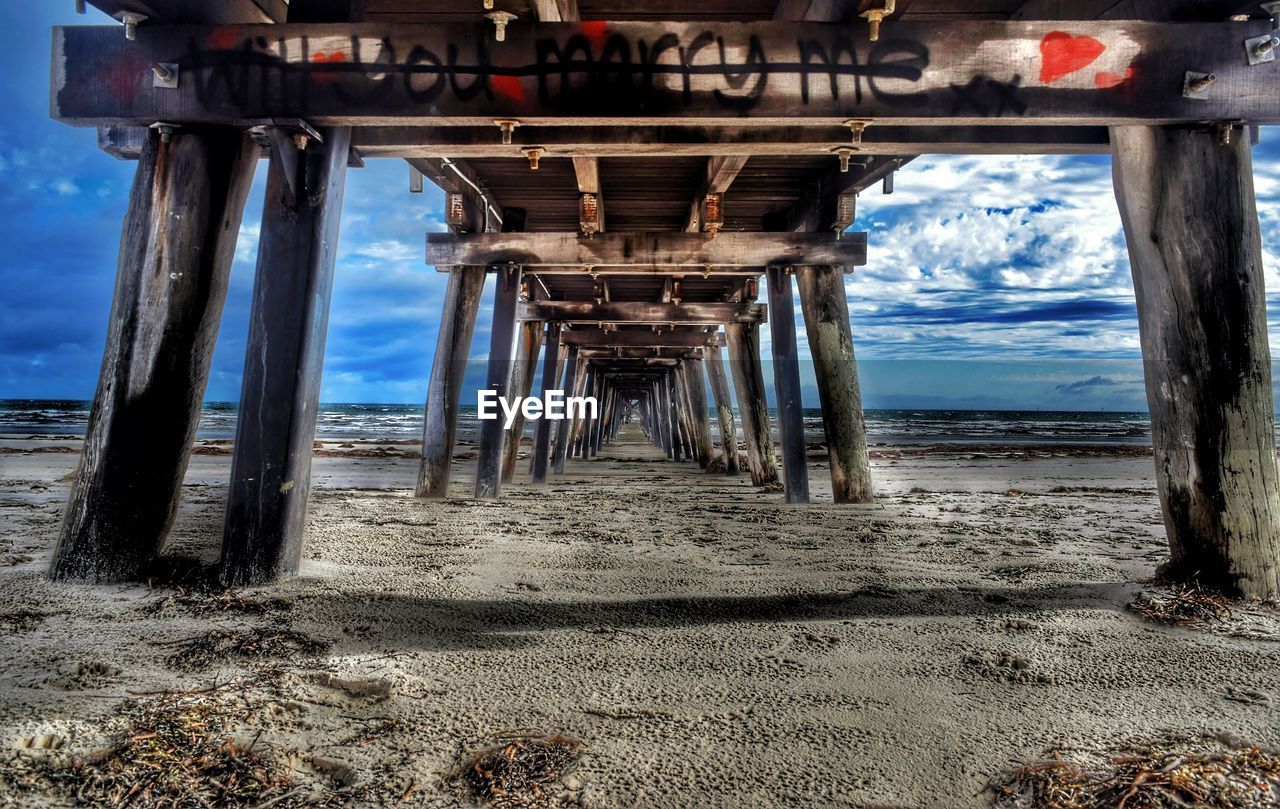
[1089, 384]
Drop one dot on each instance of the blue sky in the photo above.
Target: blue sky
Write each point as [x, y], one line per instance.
[992, 281]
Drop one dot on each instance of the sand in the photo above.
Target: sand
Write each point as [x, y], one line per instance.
[710, 645]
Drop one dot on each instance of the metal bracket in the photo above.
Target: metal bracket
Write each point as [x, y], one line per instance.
[1261, 50]
[1196, 85]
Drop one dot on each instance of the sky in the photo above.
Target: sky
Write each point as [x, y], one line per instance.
[992, 282]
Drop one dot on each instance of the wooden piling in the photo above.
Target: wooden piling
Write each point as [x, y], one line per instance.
[701, 416]
[444, 391]
[724, 409]
[1191, 222]
[275, 428]
[826, 317]
[743, 340]
[786, 380]
[542, 430]
[527, 348]
[176, 249]
[673, 416]
[564, 429]
[506, 297]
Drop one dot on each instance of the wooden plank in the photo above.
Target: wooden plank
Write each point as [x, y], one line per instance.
[693, 250]
[599, 338]
[448, 371]
[280, 396]
[944, 72]
[176, 251]
[641, 353]
[826, 317]
[1160, 10]
[681, 314]
[725, 141]
[1190, 217]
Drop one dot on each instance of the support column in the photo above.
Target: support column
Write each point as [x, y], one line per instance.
[786, 381]
[176, 250]
[701, 417]
[673, 416]
[748, 382]
[542, 429]
[724, 409]
[1191, 222]
[826, 317]
[506, 297]
[289, 317]
[564, 429]
[453, 344]
[530, 343]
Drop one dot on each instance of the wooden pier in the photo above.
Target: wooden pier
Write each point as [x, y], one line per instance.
[649, 183]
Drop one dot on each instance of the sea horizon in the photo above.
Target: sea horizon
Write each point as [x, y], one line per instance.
[390, 421]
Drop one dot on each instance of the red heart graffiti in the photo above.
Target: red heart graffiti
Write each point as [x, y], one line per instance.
[1064, 54]
[320, 57]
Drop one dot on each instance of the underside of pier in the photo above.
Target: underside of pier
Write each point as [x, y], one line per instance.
[651, 184]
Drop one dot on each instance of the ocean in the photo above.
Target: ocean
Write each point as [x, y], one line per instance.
[392, 422]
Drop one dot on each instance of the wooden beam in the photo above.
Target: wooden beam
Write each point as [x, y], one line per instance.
[448, 371]
[811, 10]
[819, 210]
[587, 171]
[724, 409]
[573, 370]
[640, 353]
[971, 71]
[275, 428]
[693, 250]
[588, 336]
[455, 176]
[1158, 10]
[556, 10]
[196, 12]
[176, 251]
[748, 383]
[721, 172]
[1191, 221]
[681, 314]
[522, 372]
[726, 141]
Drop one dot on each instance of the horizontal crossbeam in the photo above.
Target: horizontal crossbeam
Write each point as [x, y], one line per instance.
[599, 338]
[641, 353]
[725, 141]
[679, 314]
[695, 251]
[963, 72]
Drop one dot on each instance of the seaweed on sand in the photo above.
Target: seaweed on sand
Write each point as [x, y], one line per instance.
[515, 774]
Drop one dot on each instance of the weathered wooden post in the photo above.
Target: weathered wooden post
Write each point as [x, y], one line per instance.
[271, 469]
[748, 382]
[786, 380]
[444, 391]
[564, 430]
[680, 379]
[583, 424]
[701, 416]
[506, 297]
[1191, 221]
[724, 409]
[176, 249]
[528, 346]
[673, 416]
[542, 430]
[826, 317]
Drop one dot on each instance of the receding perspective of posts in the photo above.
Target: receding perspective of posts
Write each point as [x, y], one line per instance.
[630, 186]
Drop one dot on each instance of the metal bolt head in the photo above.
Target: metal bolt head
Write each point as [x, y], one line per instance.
[130, 20]
[508, 126]
[534, 154]
[500, 20]
[844, 154]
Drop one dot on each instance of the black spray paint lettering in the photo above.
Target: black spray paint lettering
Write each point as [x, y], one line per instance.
[566, 72]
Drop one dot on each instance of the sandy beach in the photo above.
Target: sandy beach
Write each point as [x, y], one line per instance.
[708, 644]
